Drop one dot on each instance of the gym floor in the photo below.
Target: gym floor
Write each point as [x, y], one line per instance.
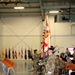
[22, 67]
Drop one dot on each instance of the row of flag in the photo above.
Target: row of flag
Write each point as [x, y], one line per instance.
[16, 54]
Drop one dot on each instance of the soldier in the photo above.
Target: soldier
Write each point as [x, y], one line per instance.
[50, 65]
[67, 53]
[36, 58]
[57, 64]
[74, 53]
[62, 62]
[68, 61]
[73, 61]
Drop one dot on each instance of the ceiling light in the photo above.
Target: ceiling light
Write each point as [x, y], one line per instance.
[53, 12]
[18, 7]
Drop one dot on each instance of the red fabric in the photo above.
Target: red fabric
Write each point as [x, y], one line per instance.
[71, 67]
[46, 23]
[8, 63]
[45, 44]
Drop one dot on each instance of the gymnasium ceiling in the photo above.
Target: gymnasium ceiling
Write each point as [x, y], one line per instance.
[36, 7]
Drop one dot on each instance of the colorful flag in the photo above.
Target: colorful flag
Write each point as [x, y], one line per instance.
[21, 53]
[29, 54]
[6, 53]
[46, 36]
[9, 54]
[3, 54]
[13, 53]
[25, 56]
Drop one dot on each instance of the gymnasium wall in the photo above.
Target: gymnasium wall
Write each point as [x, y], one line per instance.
[20, 32]
[25, 32]
[63, 34]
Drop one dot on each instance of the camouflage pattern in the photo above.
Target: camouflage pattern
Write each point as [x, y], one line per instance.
[74, 54]
[57, 65]
[36, 58]
[50, 65]
[62, 64]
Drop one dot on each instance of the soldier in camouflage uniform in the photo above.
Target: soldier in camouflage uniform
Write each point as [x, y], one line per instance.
[36, 58]
[74, 53]
[62, 65]
[57, 64]
[50, 65]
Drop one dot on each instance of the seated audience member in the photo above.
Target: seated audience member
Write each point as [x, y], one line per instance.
[36, 58]
[74, 53]
[73, 61]
[63, 57]
[66, 64]
[68, 61]
[70, 68]
[57, 64]
[61, 66]
[67, 53]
